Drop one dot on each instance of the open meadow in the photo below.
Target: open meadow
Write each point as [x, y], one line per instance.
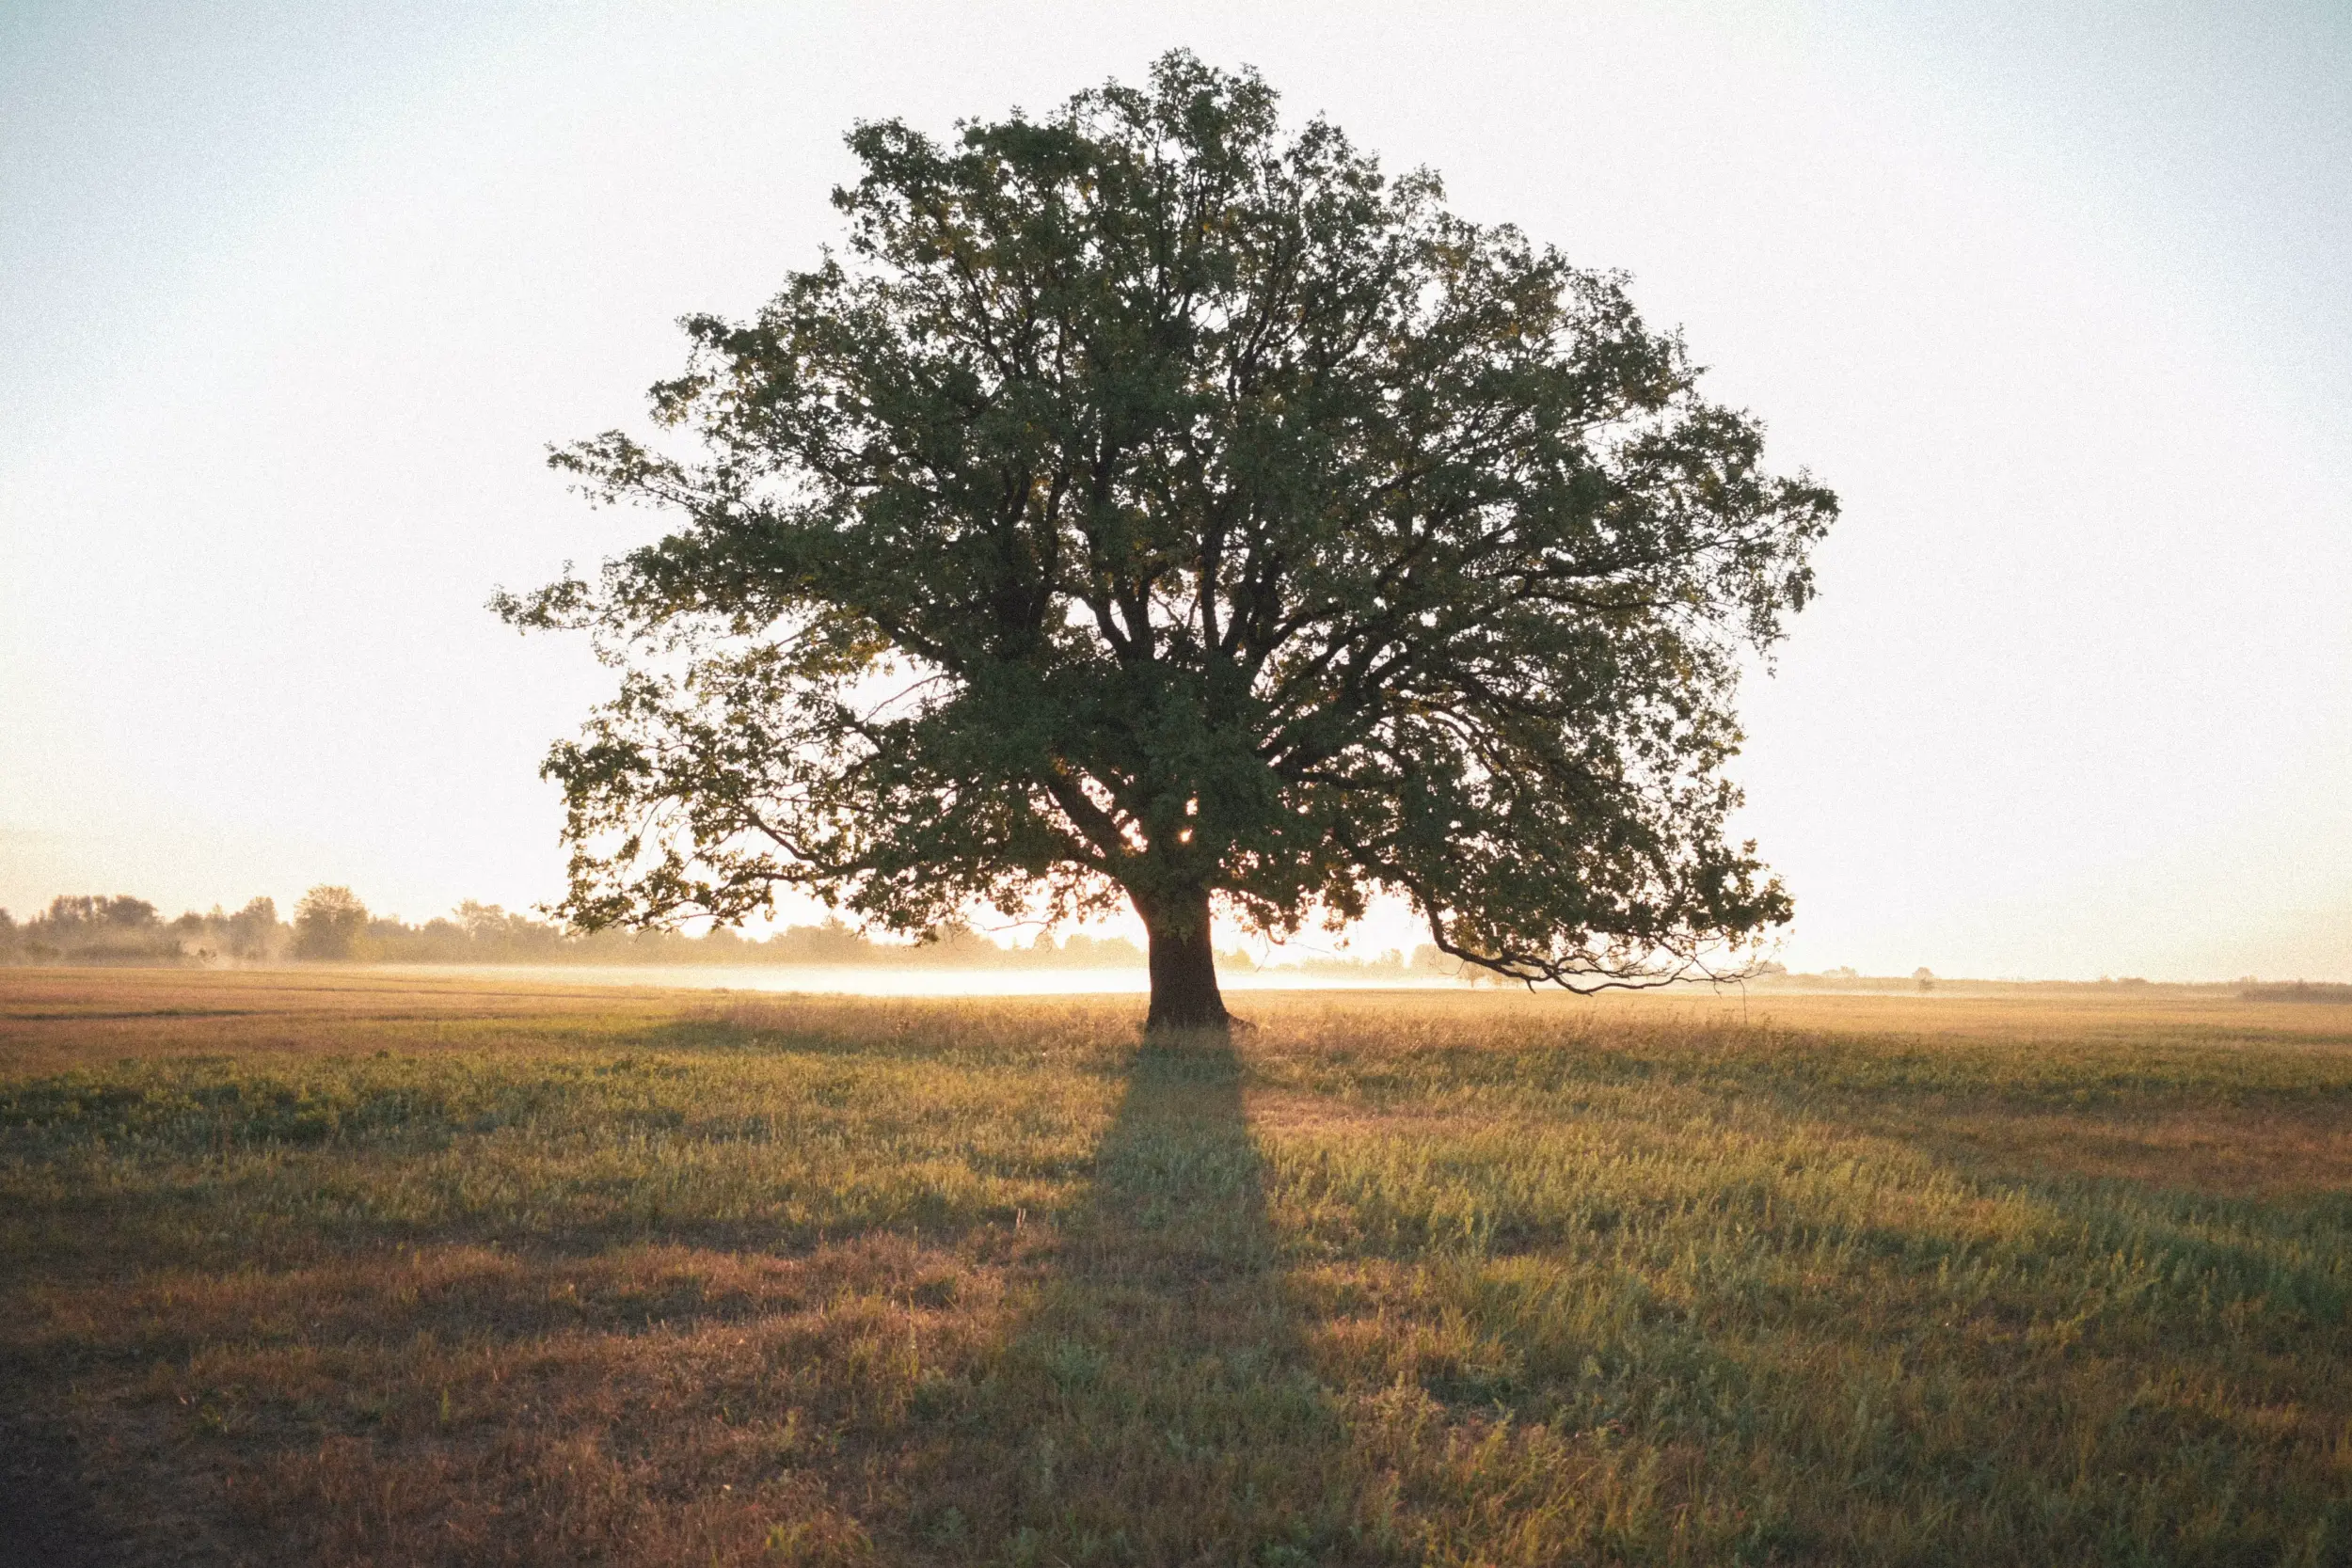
[353, 1267]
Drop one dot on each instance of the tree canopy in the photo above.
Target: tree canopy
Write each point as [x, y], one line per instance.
[1149, 504]
[329, 923]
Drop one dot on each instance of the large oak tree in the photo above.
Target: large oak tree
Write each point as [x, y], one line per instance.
[1151, 504]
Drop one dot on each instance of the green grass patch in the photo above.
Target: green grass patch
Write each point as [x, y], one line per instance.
[1442, 1281]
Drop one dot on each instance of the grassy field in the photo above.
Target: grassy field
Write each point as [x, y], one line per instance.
[344, 1268]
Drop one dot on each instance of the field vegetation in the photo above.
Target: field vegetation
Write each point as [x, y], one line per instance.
[349, 1267]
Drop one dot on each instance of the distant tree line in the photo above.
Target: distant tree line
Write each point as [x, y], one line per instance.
[2298, 991]
[93, 929]
[331, 924]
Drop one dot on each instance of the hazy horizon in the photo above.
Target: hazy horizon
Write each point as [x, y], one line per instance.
[2060, 305]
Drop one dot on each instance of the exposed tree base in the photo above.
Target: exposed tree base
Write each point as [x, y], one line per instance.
[1184, 994]
[1188, 1014]
[1160, 1026]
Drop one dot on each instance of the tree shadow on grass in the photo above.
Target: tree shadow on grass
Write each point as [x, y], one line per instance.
[46, 1518]
[1156, 1406]
[1151, 1402]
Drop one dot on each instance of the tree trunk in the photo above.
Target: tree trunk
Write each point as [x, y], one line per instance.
[1184, 964]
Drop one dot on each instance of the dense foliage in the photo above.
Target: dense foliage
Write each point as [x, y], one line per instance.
[1153, 505]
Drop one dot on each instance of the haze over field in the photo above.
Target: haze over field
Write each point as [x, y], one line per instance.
[2063, 309]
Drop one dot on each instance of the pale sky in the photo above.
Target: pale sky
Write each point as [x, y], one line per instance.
[2058, 299]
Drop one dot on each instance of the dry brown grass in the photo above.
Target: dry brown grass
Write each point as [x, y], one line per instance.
[365, 1268]
[54, 1019]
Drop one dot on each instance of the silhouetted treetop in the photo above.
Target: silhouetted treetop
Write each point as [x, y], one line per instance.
[1149, 504]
